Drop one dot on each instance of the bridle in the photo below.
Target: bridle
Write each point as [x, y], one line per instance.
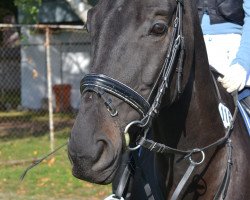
[104, 85]
[148, 108]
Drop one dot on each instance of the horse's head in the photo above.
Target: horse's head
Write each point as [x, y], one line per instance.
[130, 40]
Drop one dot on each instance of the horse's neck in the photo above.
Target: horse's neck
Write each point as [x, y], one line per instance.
[194, 122]
[203, 122]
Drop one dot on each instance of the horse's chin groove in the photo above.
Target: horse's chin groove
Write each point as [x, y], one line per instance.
[109, 178]
[99, 177]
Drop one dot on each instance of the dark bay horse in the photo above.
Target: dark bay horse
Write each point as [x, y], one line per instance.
[150, 77]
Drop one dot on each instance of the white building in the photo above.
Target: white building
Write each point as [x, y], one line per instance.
[70, 56]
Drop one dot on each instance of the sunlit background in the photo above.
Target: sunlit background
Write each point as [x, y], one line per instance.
[44, 53]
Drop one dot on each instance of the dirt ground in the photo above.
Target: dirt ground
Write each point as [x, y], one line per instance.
[20, 129]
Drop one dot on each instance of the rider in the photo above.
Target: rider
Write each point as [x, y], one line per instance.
[226, 28]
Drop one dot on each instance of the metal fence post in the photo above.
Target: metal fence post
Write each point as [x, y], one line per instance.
[49, 85]
[31, 57]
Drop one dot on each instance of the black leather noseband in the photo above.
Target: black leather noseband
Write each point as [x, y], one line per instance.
[101, 82]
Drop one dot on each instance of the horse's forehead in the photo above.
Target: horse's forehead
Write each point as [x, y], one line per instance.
[137, 5]
[143, 3]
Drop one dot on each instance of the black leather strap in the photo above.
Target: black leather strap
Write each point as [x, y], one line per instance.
[115, 88]
[159, 147]
[183, 181]
[123, 182]
[222, 191]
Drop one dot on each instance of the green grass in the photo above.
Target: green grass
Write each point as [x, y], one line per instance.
[51, 179]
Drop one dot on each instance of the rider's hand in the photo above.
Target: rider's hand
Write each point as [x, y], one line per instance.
[234, 78]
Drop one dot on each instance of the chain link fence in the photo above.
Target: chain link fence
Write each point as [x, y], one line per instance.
[40, 70]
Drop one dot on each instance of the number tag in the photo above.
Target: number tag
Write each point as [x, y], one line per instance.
[225, 114]
[112, 197]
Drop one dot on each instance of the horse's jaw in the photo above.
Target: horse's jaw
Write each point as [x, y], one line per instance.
[99, 167]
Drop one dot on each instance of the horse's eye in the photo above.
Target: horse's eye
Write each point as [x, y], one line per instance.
[159, 29]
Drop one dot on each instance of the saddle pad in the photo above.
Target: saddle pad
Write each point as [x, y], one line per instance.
[245, 103]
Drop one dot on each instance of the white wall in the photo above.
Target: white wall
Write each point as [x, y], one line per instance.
[70, 58]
